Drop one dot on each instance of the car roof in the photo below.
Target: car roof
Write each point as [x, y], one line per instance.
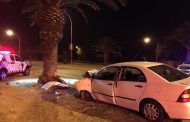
[137, 63]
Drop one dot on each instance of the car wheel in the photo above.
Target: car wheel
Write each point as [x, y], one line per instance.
[26, 71]
[86, 95]
[3, 75]
[152, 111]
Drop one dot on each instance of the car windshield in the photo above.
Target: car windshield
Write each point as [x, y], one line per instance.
[1, 56]
[169, 73]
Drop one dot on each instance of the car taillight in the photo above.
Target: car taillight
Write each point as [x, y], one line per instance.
[185, 96]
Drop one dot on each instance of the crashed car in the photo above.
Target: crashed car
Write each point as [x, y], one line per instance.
[156, 90]
[12, 63]
[52, 84]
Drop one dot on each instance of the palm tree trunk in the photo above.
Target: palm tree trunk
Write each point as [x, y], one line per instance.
[51, 32]
[49, 48]
[105, 58]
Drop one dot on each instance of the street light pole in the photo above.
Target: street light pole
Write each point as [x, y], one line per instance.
[71, 44]
[147, 40]
[157, 52]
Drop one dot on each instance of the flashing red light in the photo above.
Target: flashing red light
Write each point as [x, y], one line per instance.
[5, 52]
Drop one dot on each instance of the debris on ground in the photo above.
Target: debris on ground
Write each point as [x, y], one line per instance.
[54, 83]
[53, 90]
[49, 96]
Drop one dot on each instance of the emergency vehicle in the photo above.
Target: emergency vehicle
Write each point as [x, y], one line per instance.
[12, 63]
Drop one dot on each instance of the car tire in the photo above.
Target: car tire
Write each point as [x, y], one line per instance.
[26, 71]
[3, 74]
[86, 95]
[152, 111]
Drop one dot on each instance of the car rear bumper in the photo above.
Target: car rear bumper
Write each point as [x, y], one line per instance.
[176, 110]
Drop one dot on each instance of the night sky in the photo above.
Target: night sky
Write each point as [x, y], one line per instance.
[154, 18]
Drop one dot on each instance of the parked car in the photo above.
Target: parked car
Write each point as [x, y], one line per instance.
[12, 63]
[185, 67]
[153, 89]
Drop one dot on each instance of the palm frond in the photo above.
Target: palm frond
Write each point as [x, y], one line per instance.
[58, 3]
[116, 53]
[91, 4]
[112, 4]
[182, 35]
[122, 2]
[108, 45]
[29, 6]
[88, 3]
[109, 3]
[78, 9]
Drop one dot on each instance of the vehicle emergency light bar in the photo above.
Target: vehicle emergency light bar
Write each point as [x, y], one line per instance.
[5, 52]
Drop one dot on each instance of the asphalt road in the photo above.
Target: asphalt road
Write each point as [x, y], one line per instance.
[69, 73]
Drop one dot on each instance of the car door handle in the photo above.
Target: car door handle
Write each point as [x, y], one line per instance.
[139, 86]
[110, 84]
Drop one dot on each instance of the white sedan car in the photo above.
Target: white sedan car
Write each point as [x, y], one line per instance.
[153, 89]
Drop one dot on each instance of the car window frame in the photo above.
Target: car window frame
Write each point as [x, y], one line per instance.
[174, 70]
[115, 77]
[145, 79]
[12, 57]
[19, 58]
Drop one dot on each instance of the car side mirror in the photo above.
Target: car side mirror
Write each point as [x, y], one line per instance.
[93, 76]
[86, 75]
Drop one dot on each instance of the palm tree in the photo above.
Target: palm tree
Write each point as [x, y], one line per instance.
[49, 16]
[106, 47]
[182, 35]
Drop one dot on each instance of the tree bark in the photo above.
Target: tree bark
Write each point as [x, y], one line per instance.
[105, 58]
[51, 32]
[49, 48]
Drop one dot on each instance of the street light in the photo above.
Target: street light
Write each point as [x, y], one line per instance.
[147, 40]
[71, 44]
[11, 33]
[78, 51]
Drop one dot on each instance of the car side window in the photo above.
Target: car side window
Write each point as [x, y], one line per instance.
[3, 58]
[12, 58]
[107, 74]
[17, 58]
[132, 74]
